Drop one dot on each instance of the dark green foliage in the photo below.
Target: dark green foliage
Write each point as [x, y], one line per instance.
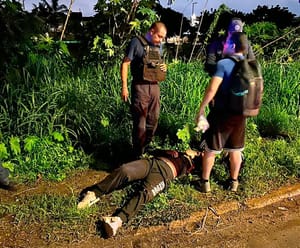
[16, 30]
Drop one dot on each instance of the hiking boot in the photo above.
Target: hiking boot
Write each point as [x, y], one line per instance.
[88, 200]
[233, 185]
[203, 186]
[111, 225]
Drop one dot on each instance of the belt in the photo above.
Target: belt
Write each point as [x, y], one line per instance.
[144, 82]
[170, 164]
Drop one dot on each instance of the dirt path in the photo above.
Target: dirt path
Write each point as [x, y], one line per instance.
[275, 225]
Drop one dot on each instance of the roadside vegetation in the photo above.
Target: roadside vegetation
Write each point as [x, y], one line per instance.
[58, 118]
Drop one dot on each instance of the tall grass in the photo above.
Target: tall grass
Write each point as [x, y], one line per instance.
[86, 103]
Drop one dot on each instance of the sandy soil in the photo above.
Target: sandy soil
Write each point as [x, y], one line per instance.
[275, 225]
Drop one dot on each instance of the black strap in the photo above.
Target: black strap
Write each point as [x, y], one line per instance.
[143, 40]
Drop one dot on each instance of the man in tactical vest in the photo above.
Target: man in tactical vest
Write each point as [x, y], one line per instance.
[143, 56]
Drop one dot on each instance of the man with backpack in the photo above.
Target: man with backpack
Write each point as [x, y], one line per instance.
[226, 129]
[143, 56]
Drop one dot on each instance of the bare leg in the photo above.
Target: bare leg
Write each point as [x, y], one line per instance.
[235, 164]
[208, 163]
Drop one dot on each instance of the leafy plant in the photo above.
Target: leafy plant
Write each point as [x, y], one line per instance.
[50, 157]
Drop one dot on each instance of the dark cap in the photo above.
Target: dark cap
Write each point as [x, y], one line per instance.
[236, 25]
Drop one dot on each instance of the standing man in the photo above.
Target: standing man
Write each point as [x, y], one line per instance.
[143, 56]
[227, 130]
[217, 51]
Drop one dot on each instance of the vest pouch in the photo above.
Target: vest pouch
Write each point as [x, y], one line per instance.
[153, 73]
[152, 61]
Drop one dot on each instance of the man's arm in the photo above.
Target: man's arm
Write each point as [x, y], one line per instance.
[124, 76]
[210, 92]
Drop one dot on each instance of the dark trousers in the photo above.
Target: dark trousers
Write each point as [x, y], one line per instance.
[155, 175]
[4, 173]
[145, 109]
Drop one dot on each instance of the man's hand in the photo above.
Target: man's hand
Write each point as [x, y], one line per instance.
[163, 67]
[124, 94]
[191, 153]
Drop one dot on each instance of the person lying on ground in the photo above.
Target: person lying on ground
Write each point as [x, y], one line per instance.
[155, 173]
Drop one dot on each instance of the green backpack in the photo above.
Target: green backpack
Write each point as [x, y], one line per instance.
[246, 88]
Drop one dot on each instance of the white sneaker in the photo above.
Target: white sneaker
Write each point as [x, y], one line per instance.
[111, 225]
[88, 200]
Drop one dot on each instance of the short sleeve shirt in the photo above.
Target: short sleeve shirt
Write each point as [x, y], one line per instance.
[224, 69]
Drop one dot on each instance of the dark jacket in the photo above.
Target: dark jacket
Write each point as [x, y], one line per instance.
[182, 162]
[214, 53]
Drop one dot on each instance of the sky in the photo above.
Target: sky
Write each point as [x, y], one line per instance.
[186, 6]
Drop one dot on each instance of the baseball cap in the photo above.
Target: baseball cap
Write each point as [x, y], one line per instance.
[236, 25]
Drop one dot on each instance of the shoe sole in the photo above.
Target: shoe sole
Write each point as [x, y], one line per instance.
[94, 201]
[82, 206]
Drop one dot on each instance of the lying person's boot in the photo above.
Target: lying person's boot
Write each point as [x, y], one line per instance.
[111, 225]
[88, 200]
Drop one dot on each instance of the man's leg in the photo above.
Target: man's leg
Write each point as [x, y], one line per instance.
[153, 113]
[121, 176]
[139, 111]
[129, 172]
[208, 161]
[153, 184]
[235, 164]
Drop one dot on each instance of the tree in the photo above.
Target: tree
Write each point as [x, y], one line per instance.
[52, 13]
[16, 29]
[115, 22]
[280, 16]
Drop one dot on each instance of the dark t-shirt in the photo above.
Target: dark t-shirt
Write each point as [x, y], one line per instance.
[135, 52]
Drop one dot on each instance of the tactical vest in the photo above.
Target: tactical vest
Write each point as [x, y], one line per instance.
[151, 62]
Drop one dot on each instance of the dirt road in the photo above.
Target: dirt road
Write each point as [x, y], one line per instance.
[274, 226]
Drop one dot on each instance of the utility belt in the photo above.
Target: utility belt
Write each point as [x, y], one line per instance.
[170, 165]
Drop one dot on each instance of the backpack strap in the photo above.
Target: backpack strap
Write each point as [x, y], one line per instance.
[234, 58]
